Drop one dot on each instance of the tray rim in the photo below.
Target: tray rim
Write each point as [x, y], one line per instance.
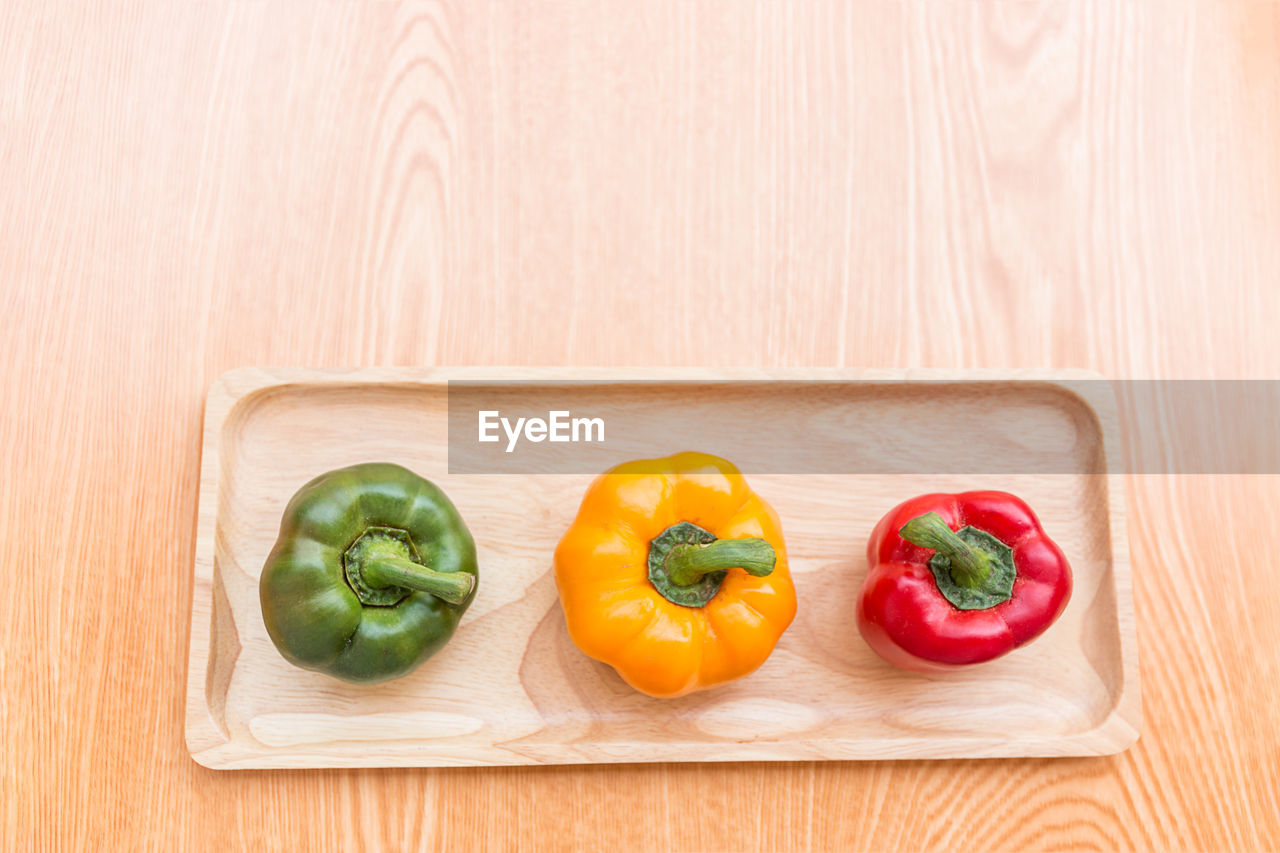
[206, 743]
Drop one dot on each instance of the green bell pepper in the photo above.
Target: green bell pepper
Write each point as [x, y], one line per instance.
[370, 574]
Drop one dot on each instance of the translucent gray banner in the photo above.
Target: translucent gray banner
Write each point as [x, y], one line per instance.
[1038, 426]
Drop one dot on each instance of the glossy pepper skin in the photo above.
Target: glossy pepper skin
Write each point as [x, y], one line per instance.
[370, 574]
[637, 519]
[902, 611]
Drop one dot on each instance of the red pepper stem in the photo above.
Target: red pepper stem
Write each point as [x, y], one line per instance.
[384, 571]
[688, 563]
[970, 566]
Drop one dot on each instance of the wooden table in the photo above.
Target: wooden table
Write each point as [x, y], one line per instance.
[187, 188]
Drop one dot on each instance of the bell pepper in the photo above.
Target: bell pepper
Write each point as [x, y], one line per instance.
[370, 574]
[958, 579]
[675, 574]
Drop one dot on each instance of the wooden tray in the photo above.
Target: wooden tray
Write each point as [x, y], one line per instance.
[512, 689]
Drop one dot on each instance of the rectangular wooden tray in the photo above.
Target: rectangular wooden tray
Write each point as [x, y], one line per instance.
[512, 689]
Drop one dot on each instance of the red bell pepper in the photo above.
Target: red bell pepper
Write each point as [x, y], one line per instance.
[959, 579]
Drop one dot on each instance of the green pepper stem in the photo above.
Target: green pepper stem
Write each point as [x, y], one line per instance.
[688, 563]
[970, 566]
[453, 587]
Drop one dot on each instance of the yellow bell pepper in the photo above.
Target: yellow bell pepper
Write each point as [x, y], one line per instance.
[675, 574]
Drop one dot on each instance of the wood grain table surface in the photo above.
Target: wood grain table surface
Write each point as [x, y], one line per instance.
[191, 187]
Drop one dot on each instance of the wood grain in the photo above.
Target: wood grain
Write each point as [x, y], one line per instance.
[187, 188]
[511, 688]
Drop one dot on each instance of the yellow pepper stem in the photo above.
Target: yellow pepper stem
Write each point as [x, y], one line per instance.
[686, 564]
